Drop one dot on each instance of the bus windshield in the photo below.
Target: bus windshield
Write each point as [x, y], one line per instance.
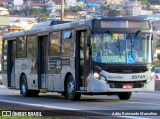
[121, 48]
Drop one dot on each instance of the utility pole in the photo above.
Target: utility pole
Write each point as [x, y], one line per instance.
[62, 10]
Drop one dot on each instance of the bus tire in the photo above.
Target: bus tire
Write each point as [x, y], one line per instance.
[34, 93]
[124, 95]
[62, 93]
[24, 88]
[71, 93]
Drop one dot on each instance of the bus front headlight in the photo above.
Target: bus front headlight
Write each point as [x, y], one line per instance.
[99, 76]
[96, 75]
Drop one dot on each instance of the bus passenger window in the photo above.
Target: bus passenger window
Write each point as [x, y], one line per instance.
[21, 47]
[5, 45]
[54, 44]
[67, 43]
[31, 46]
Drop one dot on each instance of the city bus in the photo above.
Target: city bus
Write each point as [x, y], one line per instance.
[105, 56]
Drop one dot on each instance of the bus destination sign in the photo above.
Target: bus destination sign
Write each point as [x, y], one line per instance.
[123, 24]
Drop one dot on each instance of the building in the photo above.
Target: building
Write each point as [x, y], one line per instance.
[146, 12]
[113, 1]
[132, 8]
[21, 23]
[36, 1]
[70, 3]
[4, 11]
[4, 2]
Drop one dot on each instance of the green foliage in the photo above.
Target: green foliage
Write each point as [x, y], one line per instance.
[154, 1]
[34, 11]
[157, 64]
[15, 117]
[43, 17]
[144, 2]
[65, 10]
[1, 5]
[114, 13]
[75, 9]
[105, 7]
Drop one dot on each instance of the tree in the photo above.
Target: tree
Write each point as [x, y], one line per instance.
[114, 13]
[105, 7]
[75, 9]
[144, 2]
[1, 5]
[34, 11]
[154, 1]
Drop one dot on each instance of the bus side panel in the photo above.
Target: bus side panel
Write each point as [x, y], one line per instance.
[26, 66]
[4, 80]
[68, 69]
[54, 82]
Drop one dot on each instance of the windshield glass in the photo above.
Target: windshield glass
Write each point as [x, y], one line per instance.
[121, 48]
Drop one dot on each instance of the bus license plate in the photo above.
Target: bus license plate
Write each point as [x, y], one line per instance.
[127, 86]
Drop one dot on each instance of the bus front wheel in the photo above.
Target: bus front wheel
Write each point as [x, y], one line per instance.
[124, 95]
[71, 93]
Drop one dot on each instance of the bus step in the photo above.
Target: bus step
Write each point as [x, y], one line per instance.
[43, 90]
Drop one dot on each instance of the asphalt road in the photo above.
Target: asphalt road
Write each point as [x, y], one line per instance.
[142, 101]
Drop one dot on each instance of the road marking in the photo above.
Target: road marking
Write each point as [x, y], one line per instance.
[63, 108]
[29, 104]
[132, 117]
[145, 103]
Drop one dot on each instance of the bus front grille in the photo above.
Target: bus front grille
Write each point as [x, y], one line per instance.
[126, 70]
[117, 84]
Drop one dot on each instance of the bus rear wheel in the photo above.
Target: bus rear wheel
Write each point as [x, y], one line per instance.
[24, 89]
[71, 93]
[124, 95]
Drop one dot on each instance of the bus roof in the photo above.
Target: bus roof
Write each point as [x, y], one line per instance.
[40, 27]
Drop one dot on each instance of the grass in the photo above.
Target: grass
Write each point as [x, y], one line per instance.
[157, 64]
[22, 117]
[18, 117]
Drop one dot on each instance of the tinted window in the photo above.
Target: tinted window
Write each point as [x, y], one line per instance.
[67, 43]
[21, 47]
[5, 44]
[54, 44]
[32, 46]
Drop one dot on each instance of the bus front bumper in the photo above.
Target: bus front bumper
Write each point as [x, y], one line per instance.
[97, 86]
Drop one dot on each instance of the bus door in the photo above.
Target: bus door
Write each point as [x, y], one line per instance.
[82, 59]
[11, 63]
[54, 62]
[42, 61]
